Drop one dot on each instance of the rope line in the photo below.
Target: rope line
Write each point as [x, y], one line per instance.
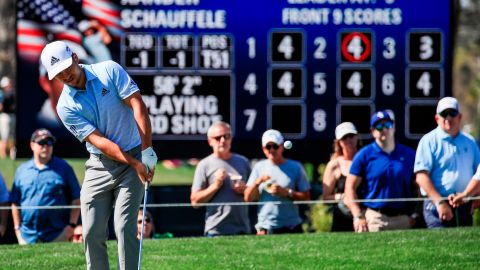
[166, 205]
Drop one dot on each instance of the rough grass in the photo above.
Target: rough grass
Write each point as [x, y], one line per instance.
[456, 248]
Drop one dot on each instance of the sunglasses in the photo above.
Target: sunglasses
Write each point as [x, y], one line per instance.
[446, 113]
[224, 136]
[270, 146]
[381, 126]
[45, 142]
[147, 220]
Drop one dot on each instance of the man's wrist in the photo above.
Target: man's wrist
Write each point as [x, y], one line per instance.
[358, 217]
[440, 202]
[290, 193]
[17, 228]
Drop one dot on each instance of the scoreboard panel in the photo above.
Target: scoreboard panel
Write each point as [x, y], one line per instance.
[299, 66]
[295, 65]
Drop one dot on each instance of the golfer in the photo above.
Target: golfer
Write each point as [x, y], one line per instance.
[101, 105]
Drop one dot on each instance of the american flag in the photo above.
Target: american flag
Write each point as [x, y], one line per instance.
[43, 21]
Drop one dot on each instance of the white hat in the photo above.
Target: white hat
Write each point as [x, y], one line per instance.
[272, 135]
[83, 25]
[56, 57]
[344, 129]
[447, 103]
[4, 82]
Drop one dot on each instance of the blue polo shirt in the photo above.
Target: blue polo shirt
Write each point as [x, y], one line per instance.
[384, 176]
[3, 190]
[55, 184]
[100, 106]
[450, 161]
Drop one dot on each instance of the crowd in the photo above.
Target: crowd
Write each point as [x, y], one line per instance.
[363, 180]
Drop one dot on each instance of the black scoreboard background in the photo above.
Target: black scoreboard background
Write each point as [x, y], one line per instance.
[299, 66]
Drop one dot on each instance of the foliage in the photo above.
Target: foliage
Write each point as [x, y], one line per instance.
[455, 248]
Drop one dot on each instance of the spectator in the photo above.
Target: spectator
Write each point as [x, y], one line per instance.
[473, 189]
[220, 178]
[149, 227]
[277, 179]
[102, 106]
[345, 146]
[381, 170]
[95, 39]
[44, 180]
[444, 165]
[3, 202]
[7, 118]
[78, 234]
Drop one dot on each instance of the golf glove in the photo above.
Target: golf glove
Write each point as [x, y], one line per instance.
[149, 158]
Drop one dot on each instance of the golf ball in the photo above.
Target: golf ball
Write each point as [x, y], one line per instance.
[287, 144]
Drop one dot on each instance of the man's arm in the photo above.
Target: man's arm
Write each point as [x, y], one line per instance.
[205, 195]
[114, 151]
[359, 221]
[4, 219]
[424, 181]
[17, 218]
[135, 102]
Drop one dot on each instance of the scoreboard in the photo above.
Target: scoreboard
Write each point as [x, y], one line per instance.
[299, 66]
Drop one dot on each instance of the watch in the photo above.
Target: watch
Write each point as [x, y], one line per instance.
[437, 204]
[73, 225]
[290, 193]
[358, 217]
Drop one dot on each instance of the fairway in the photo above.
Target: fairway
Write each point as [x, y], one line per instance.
[413, 249]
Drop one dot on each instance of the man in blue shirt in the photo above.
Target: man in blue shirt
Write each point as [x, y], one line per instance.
[44, 180]
[445, 162]
[101, 105]
[381, 170]
[3, 202]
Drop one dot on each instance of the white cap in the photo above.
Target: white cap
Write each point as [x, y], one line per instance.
[83, 25]
[272, 135]
[447, 103]
[4, 82]
[56, 57]
[344, 129]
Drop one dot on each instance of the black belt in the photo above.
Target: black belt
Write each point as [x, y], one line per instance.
[391, 212]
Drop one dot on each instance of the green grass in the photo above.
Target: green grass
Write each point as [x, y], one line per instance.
[182, 175]
[413, 249]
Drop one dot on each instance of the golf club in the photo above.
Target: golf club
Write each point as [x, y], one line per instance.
[143, 224]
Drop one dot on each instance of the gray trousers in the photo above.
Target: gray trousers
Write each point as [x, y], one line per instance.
[110, 185]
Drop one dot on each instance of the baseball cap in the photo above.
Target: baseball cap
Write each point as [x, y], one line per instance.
[56, 57]
[272, 135]
[344, 129]
[447, 103]
[4, 82]
[379, 116]
[42, 134]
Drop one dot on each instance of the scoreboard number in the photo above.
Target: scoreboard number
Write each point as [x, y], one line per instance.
[287, 83]
[424, 83]
[356, 47]
[250, 84]
[321, 45]
[356, 83]
[389, 52]
[177, 51]
[425, 47]
[286, 46]
[140, 51]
